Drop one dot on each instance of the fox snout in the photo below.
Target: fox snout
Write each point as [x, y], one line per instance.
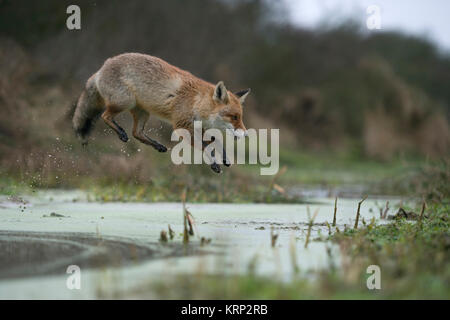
[236, 126]
[240, 132]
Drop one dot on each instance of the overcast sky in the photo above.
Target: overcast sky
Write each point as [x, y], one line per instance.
[420, 17]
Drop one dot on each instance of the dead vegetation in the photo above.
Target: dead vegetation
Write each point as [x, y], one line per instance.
[409, 215]
[188, 227]
[358, 212]
[335, 211]
[310, 224]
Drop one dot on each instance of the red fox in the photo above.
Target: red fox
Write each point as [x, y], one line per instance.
[144, 85]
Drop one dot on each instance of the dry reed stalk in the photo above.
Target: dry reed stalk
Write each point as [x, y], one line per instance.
[310, 224]
[185, 227]
[335, 210]
[358, 212]
[171, 233]
[384, 215]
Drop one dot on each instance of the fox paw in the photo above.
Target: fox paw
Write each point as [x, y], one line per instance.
[123, 136]
[216, 168]
[226, 162]
[160, 148]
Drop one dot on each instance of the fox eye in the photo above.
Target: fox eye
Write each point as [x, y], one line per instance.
[235, 117]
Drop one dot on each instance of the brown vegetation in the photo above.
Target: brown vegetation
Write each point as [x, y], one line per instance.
[325, 89]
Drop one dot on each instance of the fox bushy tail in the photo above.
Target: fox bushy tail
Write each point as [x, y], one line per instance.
[88, 109]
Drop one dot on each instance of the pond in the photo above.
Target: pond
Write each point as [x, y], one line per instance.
[117, 245]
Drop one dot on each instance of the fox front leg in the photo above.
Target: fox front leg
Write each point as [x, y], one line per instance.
[225, 160]
[140, 118]
[214, 166]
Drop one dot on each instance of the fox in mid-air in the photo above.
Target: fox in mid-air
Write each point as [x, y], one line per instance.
[144, 85]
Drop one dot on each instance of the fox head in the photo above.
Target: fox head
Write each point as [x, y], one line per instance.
[227, 110]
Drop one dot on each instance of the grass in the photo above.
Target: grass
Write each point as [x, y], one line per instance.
[432, 232]
[410, 254]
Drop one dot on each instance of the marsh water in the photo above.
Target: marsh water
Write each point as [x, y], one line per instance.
[117, 245]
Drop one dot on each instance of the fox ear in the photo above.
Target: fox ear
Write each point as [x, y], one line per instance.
[242, 95]
[220, 93]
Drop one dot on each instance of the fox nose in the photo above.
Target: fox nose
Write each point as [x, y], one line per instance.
[239, 133]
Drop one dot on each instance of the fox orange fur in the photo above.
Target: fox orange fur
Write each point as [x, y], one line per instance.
[144, 85]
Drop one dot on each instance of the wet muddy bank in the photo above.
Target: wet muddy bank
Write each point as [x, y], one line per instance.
[27, 254]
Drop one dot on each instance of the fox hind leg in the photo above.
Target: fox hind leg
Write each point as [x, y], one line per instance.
[140, 118]
[108, 117]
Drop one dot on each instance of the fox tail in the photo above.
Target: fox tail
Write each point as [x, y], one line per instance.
[88, 109]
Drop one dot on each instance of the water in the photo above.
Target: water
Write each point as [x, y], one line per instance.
[117, 245]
